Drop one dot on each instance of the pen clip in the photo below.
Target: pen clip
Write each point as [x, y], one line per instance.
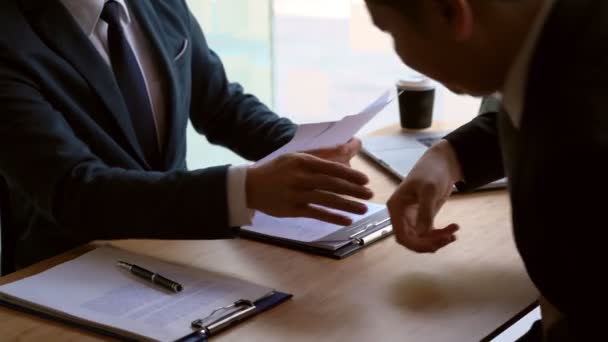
[245, 308]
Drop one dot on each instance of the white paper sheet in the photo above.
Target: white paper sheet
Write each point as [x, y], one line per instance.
[302, 229]
[93, 288]
[330, 134]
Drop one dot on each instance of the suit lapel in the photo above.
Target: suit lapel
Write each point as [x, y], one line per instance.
[57, 28]
[149, 22]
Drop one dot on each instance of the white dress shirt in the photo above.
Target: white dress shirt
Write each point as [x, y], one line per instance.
[87, 14]
[513, 94]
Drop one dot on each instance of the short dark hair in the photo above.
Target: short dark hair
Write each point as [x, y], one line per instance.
[403, 6]
[406, 8]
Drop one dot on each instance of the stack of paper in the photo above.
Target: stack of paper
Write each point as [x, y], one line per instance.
[304, 229]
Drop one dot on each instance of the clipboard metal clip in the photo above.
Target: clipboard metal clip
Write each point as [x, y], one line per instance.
[366, 233]
[243, 309]
[361, 237]
[368, 227]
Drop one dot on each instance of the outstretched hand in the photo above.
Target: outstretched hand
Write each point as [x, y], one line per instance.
[415, 204]
[303, 185]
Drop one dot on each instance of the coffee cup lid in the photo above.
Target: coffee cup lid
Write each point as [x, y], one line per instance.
[416, 83]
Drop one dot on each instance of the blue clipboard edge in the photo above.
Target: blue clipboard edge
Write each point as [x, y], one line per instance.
[262, 305]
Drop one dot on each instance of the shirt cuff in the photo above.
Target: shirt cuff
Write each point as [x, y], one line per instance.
[238, 213]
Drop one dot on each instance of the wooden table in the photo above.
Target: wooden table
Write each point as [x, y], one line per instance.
[383, 293]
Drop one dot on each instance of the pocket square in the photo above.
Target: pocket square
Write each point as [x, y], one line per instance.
[183, 50]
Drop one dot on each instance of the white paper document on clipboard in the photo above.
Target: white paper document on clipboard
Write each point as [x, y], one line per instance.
[322, 237]
[92, 292]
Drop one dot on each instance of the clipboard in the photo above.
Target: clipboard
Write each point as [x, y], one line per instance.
[198, 325]
[244, 309]
[341, 244]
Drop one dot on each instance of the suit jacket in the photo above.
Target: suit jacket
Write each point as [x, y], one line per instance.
[556, 161]
[69, 154]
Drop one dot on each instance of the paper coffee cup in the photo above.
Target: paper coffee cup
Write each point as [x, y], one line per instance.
[416, 102]
[416, 83]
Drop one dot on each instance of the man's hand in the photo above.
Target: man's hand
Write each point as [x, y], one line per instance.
[296, 185]
[341, 153]
[418, 199]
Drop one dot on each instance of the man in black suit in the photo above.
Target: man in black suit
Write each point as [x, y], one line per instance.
[547, 60]
[95, 96]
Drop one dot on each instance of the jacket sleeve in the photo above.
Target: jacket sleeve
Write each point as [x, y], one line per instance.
[224, 113]
[44, 159]
[478, 148]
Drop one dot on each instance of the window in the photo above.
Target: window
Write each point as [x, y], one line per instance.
[240, 32]
[309, 60]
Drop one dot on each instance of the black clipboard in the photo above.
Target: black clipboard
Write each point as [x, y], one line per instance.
[241, 311]
[353, 238]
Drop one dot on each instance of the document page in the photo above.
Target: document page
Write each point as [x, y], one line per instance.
[302, 229]
[92, 288]
[330, 134]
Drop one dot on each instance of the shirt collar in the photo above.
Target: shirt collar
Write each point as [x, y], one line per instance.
[87, 12]
[513, 94]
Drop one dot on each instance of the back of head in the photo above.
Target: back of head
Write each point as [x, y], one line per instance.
[468, 45]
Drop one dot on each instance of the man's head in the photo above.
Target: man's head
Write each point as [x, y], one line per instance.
[468, 45]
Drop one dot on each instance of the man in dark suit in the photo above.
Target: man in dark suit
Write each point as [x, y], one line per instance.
[95, 96]
[546, 60]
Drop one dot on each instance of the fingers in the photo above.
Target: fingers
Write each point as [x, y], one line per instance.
[429, 242]
[341, 153]
[325, 216]
[417, 234]
[441, 237]
[351, 148]
[333, 201]
[335, 185]
[335, 170]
